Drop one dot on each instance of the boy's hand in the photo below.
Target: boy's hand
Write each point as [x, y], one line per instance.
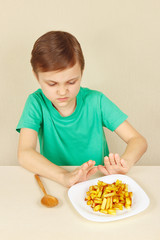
[114, 165]
[80, 174]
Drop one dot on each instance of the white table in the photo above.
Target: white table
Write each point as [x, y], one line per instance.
[22, 216]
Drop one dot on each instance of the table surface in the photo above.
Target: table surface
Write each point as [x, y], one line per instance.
[23, 217]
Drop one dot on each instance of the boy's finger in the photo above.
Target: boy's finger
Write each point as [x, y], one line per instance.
[84, 165]
[76, 169]
[76, 176]
[92, 171]
[106, 161]
[88, 165]
[124, 163]
[117, 159]
[111, 159]
[103, 170]
[91, 163]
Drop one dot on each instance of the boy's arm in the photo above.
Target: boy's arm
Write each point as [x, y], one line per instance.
[136, 147]
[33, 161]
[136, 143]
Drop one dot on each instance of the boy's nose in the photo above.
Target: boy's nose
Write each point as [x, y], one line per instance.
[62, 91]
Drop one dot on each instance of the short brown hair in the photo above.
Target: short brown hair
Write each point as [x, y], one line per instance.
[56, 50]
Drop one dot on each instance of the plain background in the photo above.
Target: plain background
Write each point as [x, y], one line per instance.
[120, 40]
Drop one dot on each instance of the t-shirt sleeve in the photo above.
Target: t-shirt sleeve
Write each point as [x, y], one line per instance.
[112, 116]
[31, 116]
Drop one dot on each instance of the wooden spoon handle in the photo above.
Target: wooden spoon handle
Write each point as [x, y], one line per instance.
[40, 184]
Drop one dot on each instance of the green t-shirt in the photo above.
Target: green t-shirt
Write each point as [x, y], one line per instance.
[77, 138]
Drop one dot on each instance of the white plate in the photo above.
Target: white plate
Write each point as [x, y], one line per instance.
[77, 194]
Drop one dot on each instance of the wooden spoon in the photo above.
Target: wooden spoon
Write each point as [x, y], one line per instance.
[47, 200]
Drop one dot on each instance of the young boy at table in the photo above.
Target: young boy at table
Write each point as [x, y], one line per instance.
[69, 119]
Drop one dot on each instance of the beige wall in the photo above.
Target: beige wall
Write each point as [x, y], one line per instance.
[121, 43]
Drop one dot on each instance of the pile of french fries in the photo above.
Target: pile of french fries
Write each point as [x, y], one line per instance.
[107, 198]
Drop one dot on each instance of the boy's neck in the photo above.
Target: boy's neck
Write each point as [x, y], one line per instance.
[67, 111]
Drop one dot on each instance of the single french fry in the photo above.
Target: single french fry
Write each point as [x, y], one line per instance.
[93, 191]
[108, 203]
[104, 204]
[109, 194]
[127, 206]
[118, 182]
[97, 208]
[90, 188]
[88, 202]
[118, 206]
[87, 198]
[93, 204]
[98, 201]
[88, 193]
[97, 191]
[92, 196]
[126, 194]
[117, 200]
[128, 201]
[130, 194]
[98, 198]
[99, 194]
[104, 211]
[121, 199]
[112, 211]
[126, 187]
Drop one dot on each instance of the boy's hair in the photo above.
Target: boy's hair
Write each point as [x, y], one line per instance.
[56, 50]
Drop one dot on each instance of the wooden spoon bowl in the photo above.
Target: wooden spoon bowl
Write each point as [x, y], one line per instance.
[47, 200]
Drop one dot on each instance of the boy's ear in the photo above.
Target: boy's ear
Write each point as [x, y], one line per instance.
[81, 73]
[35, 74]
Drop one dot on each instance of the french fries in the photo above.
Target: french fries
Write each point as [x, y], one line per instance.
[108, 198]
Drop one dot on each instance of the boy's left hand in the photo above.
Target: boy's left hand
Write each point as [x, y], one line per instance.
[114, 165]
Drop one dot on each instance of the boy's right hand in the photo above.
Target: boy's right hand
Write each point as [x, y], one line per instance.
[80, 174]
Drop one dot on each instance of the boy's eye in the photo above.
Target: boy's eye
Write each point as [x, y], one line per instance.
[72, 82]
[52, 84]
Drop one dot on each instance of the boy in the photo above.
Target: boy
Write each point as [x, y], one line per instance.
[69, 119]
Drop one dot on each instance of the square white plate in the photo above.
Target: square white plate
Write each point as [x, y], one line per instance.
[77, 194]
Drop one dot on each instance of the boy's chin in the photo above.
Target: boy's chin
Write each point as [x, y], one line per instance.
[60, 104]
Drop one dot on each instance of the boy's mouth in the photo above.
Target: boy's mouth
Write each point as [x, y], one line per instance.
[62, 99]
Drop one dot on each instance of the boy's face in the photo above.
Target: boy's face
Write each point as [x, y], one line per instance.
[61, 87]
